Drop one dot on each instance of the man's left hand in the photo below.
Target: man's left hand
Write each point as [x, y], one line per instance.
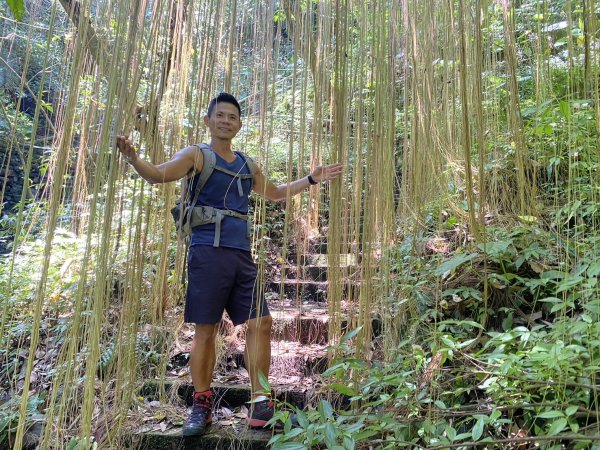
[327, 173]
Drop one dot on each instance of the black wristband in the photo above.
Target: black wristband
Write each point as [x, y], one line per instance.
[311, 180]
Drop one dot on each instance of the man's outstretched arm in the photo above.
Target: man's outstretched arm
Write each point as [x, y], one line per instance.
[268, 190]
[182, 163]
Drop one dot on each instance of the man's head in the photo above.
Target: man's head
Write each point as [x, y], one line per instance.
[223, 117]
[223, 97]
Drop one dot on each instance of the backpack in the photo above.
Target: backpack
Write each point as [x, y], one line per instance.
[187, 216]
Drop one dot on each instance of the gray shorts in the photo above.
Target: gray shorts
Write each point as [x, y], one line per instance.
[222, 279]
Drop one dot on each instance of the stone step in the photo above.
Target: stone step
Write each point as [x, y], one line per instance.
[289, 358]
[301, 290]
[322, 259]
[235, 395]
[307, 323]
[317, 272]
[218, 437]
[321, 246]
[343, 260]
[229, 429]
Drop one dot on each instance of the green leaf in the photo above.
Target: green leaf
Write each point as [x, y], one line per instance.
[557, 426]
[571, 410]
[593, 306]
[453, 263]
[302, 419]
[440, 404]
[574, 426]
[593, 269]
[293, 433]
[330, 435]
[365, 434]
[343, 389]
[565, 110]
[264, 382]
[325, 409]
[495, 248]
[289, 446]
[17, 7]
[551, 414]
[275, 438]
[477, 429]
[342, 367]
[451, 433]
[350, 335]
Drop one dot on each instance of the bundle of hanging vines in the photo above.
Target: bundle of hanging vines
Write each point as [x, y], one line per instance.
[415, 98]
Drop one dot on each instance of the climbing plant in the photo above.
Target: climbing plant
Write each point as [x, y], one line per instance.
[468, 130]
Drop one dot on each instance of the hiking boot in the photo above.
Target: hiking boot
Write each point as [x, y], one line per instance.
[260, 413]
[201, 415]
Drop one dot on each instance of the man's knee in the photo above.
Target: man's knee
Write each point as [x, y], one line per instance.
[260, 325]
[206, 332]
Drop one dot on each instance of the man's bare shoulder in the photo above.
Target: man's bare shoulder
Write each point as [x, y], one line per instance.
[193, 154]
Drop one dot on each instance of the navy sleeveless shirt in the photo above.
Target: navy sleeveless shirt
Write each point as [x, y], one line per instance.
[221, 191]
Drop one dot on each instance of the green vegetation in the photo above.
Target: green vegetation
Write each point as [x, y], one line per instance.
[485, 278]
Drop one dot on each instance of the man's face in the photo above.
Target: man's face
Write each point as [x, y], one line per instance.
[224, 122]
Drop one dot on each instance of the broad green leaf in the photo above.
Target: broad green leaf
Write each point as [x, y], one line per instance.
[264, 382]
[274, 439]
[289, 434]
[302, 419]
[557, 426]
[355, 427]
[289, 446]
[477, 429]
[350, 335]
[594, 269]
[343, 389]
[574, 426]
[325, 409]
[553, 275]
[593, 306]
[451, 433]
[571, 410]
[330, 435]
[551, 414]
[565, 110]
[569, 283]
[365, 434]
[17, 7]
[495, 248]
[335, 368]
[453, 263]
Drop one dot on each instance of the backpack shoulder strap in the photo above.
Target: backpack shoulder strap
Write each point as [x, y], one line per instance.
[249, 161]
[208, 166]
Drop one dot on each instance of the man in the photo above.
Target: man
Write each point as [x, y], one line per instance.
[221, 273]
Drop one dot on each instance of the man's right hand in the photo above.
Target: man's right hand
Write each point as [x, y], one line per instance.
[126, 148]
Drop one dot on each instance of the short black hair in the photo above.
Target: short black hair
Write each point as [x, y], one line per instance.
[223, 97]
